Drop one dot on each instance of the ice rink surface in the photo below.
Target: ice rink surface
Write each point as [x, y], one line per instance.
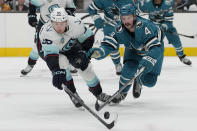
[31, 103]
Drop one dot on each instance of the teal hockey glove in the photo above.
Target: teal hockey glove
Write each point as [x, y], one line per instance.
[96, 53]
[164, 27]
[147, 62]
[98, 21]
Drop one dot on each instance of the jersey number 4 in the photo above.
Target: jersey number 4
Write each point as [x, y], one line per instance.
[147, 31]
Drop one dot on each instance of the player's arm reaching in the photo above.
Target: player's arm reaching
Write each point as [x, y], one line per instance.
[93, 9]
[168, 20]
[108, 45]
[32, 17]
[141, 8]
[70, 7]
[51, 56]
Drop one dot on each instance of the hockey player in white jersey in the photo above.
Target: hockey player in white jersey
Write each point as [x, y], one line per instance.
[65, 39]
[46, 7]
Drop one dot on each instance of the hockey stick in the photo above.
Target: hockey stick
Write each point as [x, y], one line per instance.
[109, 126]
[99, 107]
[188, 36]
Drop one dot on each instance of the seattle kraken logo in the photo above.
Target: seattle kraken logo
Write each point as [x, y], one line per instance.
[69, 45]
[115, 11]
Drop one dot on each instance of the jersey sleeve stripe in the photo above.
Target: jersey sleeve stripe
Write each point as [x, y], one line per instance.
[110, 43]
[111, 38]
[94, 6]
[86, 35]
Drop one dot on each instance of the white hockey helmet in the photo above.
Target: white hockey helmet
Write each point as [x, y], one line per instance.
[59, 15]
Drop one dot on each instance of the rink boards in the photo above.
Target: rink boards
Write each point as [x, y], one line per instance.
[17, 39]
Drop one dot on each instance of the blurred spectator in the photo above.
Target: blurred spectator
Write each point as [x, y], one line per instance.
[79, 4]
[82, 4]
[86, 4]
[21, 6]
[193, 6]
[1, 3]
[180, 4]
[5, 5]
[186, 5]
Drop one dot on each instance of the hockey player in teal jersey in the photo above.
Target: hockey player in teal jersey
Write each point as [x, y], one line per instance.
[144, 47]
[111, 10]
[161, 13]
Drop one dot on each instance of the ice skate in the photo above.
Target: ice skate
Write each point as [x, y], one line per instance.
[137, 87]
[185, 60]
[27, 70]
[103, 97]
[119, 98]
[118, 68]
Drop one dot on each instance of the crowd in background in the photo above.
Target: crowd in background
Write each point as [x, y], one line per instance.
[13, 5]
[22, 5]
[186, 5]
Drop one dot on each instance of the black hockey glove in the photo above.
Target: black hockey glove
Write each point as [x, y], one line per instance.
[32, 20]
[59, 78]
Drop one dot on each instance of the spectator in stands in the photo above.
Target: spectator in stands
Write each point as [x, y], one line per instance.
[5, 5]
[21, 6]
[193, 5]
[1, 3]
[187, 5]
[180, 4]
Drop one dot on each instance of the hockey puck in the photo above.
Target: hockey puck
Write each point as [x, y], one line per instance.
[106, 115]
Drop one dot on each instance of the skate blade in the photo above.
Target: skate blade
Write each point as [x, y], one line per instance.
[81, 108]
[23, 75]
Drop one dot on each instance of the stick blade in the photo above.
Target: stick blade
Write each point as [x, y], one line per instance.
[111, 125]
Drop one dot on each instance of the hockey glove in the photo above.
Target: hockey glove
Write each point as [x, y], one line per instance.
[32, 20]
[98, 21]
[96, 53]
[59, 78]
[147, 62]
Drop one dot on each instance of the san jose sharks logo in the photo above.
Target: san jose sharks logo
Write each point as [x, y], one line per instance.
[115, 11]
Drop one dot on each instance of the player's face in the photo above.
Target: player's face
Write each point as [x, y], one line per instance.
[157, 2]
[128, 21]
[59, 27]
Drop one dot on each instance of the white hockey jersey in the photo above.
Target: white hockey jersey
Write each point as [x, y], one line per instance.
[47, 6]
[53, 43]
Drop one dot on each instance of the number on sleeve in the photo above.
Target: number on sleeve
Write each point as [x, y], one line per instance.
[46, 41]
[78, 21]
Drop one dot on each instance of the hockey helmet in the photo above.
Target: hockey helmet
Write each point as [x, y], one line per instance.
[59, 15]
[128, 9]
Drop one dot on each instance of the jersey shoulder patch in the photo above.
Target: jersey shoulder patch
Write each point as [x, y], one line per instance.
[139, 24]
[118, 28]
